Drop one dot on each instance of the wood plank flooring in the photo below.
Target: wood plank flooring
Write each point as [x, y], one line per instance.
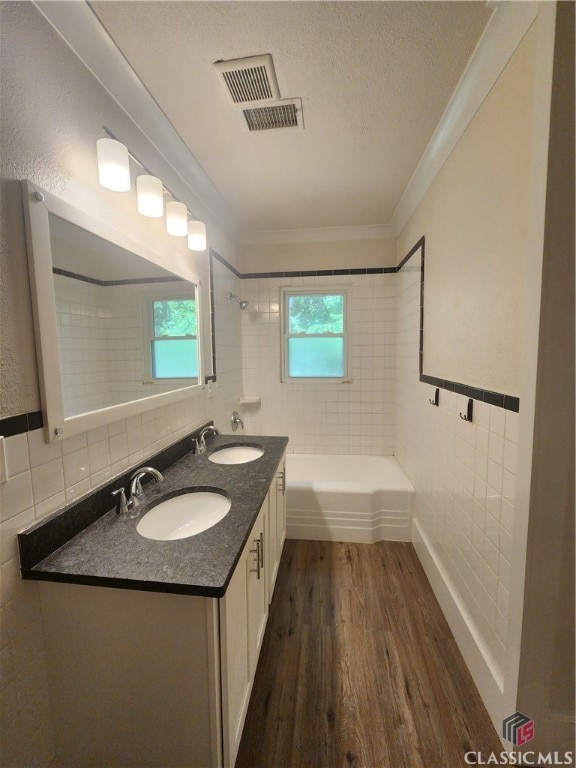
[358, 667]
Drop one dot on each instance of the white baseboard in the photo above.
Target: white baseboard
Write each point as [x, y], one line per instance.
[483, 668]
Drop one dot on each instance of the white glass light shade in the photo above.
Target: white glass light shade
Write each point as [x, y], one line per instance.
[150, 195]
[113, 165]
[176, 219]
[196, 235]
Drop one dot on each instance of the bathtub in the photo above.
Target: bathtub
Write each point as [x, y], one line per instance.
[347, 498]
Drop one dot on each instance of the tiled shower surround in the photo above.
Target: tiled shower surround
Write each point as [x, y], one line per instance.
[355, 418]
[464, 474]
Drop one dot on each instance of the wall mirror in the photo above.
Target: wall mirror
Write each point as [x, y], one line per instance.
[117, 333]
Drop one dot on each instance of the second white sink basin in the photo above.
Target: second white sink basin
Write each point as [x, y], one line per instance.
[184, 515]
[236, 454]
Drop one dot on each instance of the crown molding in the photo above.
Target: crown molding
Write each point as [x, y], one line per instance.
[319, 235]
[82, 31]
[509, 23]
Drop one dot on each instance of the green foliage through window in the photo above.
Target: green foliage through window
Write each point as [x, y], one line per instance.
[316, 314]
[175, 317]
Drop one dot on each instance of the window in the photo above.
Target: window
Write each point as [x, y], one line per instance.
[314, 333]
[172, 345]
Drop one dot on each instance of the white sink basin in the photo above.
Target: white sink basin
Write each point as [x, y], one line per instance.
[184, 515]
[236, 454]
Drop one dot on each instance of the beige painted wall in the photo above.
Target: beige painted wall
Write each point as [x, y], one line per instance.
[474, 218]
[335, 254]
[53, 111]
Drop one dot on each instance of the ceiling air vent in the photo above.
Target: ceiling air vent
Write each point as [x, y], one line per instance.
[281, 115]
[249, 79]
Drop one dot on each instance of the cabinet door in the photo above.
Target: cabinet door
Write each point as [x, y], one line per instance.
[243, 614]
[236, 681]
[256, 587]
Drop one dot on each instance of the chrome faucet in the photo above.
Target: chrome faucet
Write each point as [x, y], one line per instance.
[136, 489]
[201, 442]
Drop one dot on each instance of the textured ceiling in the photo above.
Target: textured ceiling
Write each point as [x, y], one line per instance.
[374, 79]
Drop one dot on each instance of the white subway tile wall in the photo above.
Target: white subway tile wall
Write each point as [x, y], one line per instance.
[355, 418]
[44, 477]
[464, 476]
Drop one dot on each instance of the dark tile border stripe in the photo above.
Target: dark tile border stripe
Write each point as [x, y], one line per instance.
[304, 272]
[127, 281]
[17, 425]
[318, 272]
[26, 422]
[508, 402]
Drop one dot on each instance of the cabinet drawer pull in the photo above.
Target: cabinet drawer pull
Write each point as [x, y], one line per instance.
[281, 482]
[258, 558]
[262, 550]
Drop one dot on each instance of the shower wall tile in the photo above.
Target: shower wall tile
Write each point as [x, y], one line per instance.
[464, 477]
[356, 418]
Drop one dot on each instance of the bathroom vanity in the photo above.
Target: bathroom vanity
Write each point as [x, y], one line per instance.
[153, 645]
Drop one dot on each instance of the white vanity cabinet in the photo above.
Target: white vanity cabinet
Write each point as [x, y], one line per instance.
[150, 679]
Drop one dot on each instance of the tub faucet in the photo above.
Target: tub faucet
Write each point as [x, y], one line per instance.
[236, 421]
[201, 442]
[136, 489]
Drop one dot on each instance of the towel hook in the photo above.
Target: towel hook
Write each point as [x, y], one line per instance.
[436, 400]
[469, 411]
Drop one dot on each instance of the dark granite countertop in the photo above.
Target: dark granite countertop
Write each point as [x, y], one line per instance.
[111, 553]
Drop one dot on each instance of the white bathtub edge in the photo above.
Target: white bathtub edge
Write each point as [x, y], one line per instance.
[314, 529]
[483, 667]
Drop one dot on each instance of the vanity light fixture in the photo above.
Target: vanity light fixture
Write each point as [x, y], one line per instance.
[113, 165]
[176, 219]
[196, 235]
[150, 195]
[114, 173]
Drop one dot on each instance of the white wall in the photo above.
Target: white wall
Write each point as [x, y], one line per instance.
[473, 481]
[464, 477]
[355, 418]
[475, 217]
[52, 114]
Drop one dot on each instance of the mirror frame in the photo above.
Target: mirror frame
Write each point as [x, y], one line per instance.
[38, 205]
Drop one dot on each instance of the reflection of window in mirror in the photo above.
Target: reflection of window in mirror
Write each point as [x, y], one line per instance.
[171, 341]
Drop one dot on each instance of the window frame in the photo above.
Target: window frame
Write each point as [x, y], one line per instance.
[337, 290]
[149, 337]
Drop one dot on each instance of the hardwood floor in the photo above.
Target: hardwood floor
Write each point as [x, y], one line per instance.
[359, 669]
